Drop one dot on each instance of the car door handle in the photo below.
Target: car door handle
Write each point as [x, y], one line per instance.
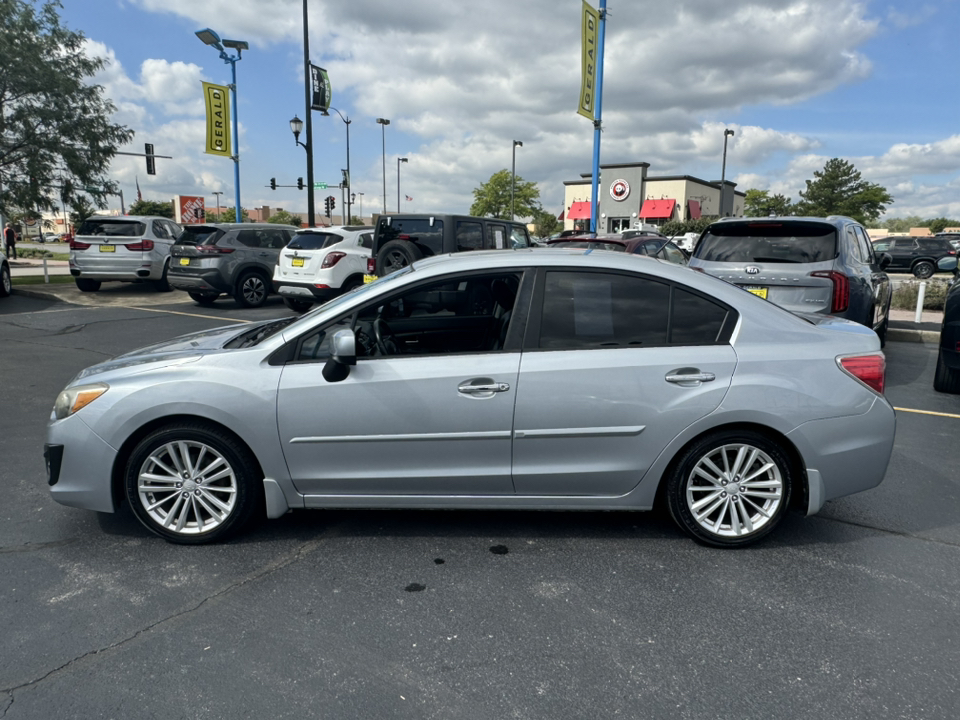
[467, 388]
[683, 376]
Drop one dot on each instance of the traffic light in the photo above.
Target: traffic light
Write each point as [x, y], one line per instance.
[333, 203]
[273, 183]
[326, 205]
[300, 183]
[151, 162]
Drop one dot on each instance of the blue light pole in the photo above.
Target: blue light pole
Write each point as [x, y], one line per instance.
[209, 37]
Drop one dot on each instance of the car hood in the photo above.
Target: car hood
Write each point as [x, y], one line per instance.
[179, 350]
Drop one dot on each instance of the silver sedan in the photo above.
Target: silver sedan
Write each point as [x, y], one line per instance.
[548, 379]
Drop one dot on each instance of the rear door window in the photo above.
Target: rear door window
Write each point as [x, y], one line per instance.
[250, 238]
[768, 242]
[469, 236]
[496, 236]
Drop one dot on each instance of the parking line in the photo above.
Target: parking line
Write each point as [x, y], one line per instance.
[927, 412]
[176, 312]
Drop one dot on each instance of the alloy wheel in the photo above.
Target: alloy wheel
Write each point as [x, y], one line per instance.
[254, 290]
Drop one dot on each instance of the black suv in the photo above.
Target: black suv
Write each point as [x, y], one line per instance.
[918, 255]
[403, 239]
[233, 258]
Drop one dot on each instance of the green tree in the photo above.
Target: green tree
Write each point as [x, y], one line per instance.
[901, 225]
[56, 138]
[938, 224]
[82, 209]
[679, 227]
[758, 203]
[839, 189]
[492, 198]
[228, 215]
[545, 223]
[282, 217]
[152, 207]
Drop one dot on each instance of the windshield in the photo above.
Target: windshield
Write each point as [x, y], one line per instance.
[112, 228]
[768, 242]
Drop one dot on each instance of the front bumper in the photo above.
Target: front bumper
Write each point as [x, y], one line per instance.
[83, 474]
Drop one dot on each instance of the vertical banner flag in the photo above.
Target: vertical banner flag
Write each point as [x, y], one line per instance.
[322, 94]
[217, 101]
[588, 71]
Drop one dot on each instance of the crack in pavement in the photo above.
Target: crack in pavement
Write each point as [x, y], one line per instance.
[32, 547]
[900, 533]
[289, 559]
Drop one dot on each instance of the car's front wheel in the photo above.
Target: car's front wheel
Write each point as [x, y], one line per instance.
[203, 298]
[192, 483]
[6, 284]
[252, 290]
[730, 488]
[945, 378]
[924, 269]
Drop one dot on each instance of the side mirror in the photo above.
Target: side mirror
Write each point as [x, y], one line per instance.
[885, 260]
[947, 263]
[344, 355]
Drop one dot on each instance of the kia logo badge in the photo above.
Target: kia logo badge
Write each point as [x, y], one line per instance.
[752, 269]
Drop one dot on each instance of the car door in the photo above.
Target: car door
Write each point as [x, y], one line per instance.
[428, 420]
[615, 366]
[876, 281]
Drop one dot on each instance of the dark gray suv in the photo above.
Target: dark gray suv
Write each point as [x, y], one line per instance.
[803, 264]
[233, 258]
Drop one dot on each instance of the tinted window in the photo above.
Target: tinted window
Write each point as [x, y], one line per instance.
[496, 236]
[935, 244]
[199, 235]
[519, 237]
[419, 230]
[160, 230]
[594, 310]
[694, 320]
[250, 238]
[312, 241]
[855, 249]
[866, 249]
[112, 228]
[768, 242]
[469, 236]
[673, 254]
[365, 240]
[884, 245]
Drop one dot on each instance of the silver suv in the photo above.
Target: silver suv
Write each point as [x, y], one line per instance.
[803, 264]
[233, 258]
[130, 248]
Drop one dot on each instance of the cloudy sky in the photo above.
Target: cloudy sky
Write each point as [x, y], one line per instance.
[799, 81]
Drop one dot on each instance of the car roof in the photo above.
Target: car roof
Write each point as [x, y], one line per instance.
[447, 216]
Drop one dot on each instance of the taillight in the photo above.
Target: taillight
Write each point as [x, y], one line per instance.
[841, 289]
[868, 369]
[371, 266]
[331, 259]
[214, 250]
[142, 245]
[74, 245]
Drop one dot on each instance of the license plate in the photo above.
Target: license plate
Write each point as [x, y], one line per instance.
[758, 291]
[184, 261]
[369, 279]
[297, 262]
[108, 248]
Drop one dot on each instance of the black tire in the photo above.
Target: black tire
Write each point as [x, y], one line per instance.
[882, 331]
[945, 379]
[163, 284]
[396, 255]
[300, 306]
[351, 284]
[199, 509]
[87, 285]
[252, 290]
[685, 489]
[924, 269]
[205, 299]
[6, 283]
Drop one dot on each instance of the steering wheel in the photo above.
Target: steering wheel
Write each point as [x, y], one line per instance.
[386, 341]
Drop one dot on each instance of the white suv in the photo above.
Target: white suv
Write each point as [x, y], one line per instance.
[321, 263]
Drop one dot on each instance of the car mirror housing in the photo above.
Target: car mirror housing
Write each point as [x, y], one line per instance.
[885, 260]
[344, 355]
[947, 263]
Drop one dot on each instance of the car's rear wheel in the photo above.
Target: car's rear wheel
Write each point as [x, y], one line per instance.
[730, 488]
[87, 285]
[192, 483]
[351, 284]
[163, 284]
[6, 284]
[396, 255]
[203, 298]
[882, 331]
[923, 269]
[300, 306]
[252, 290]
[945, 379]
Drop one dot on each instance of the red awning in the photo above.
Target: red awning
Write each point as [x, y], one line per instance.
[657, 209]
[694, 206]
[579, 211]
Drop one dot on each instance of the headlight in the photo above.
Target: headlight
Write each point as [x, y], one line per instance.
[75, 398]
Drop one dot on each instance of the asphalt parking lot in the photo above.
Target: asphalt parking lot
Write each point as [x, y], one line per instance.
[852, 613]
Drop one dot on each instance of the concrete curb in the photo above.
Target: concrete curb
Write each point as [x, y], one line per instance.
[915, 336]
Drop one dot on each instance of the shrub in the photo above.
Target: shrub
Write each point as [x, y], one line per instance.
[905, 295]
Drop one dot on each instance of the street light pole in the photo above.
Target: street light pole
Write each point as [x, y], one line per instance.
[209, 37]
[346, 121]
[513, 177]
[308, 146]
[399, 160]
[383, 122]
[218, 193]
[360, 195]
[723, 171]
